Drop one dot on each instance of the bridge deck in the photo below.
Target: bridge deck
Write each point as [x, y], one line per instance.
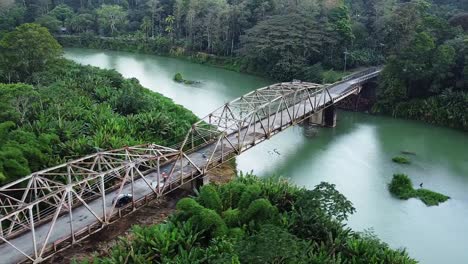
[251, 135]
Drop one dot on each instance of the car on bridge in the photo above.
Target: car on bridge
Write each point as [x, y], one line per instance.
[122, 199]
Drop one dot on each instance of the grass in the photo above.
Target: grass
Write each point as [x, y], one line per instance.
[431, 198]
[402, 187]
[401, 160]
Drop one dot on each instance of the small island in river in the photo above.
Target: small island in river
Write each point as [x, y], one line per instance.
[402, 187]
[178, 78]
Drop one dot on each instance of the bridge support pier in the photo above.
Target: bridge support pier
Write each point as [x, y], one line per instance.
[329, 116]
[316, 119]
[197, 183]
[326, 117]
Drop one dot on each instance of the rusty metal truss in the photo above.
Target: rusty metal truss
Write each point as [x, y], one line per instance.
[52, 209]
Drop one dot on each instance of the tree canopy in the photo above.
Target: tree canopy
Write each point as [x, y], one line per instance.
[26, 50]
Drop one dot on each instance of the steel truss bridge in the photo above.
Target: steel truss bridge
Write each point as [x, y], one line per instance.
[50, 210]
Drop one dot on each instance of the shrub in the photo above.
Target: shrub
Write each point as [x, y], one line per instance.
[401, 160]
[260, 211]
[279, 192]
[178, 77]
[209, 221]
[232, 217]
[272, 245]
[318, 213]
[209, 198]
[231, 193]
[401, 186]
[251, 193]
[189, 205]
[236, 232]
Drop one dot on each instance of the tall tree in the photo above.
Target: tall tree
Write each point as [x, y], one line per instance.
[62, 12]
[155, 10]
[26, 50]
[111, 17]
[283, 44]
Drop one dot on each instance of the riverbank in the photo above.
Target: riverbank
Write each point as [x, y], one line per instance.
[162, 47]
[157, 46]
[447, 110]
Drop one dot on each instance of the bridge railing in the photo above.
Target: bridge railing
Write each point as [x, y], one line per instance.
[362, 73]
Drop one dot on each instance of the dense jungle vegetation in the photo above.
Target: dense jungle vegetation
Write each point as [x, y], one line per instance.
[53, 110]
[252, 220]
[422, 43]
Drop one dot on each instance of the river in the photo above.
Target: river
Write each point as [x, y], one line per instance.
[355, 156]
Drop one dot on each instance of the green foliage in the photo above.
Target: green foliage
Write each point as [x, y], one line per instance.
[232, 217]
[111, 17]
[282, 44]
[402, 187]
[431, 198]
[49, 22]
[178, 77]
[424, 75]
[366, 248]
[209, 198]
[401, 160]
[153, 244]
[260, 211]
[189, 205]
[318, 214]
[231, 193]
[74, 110]
[341, 23]
[28, 49]
[204, 219]
[80, 23]
[328, 200]
[251, 193]
[331, 76]
[11, 15]
[272, 244]
[207, 220]
[448, 109]
[421, 43]
[61, 12]
[17, 102]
